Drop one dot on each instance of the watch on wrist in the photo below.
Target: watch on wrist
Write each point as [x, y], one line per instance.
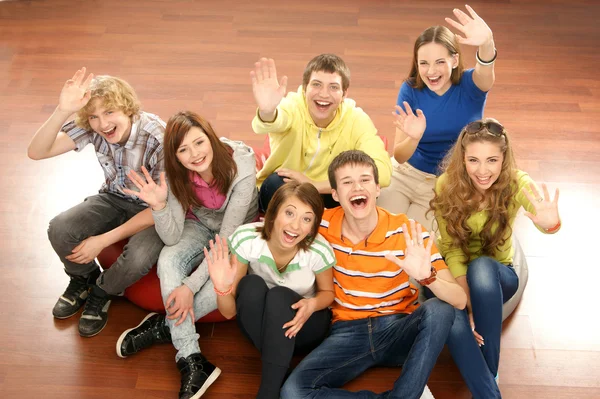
[430, 279]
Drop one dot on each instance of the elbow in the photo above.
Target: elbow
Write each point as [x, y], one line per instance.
[462, 303]
[33, 155]
[228, 314]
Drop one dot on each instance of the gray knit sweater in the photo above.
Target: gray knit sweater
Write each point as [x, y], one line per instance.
[240, 207]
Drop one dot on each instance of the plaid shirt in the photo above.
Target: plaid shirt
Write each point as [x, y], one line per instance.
[143, 148]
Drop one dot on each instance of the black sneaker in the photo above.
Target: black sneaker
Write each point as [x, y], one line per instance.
[152, 330]
[74, 296]
[197, 374]
[95, 313]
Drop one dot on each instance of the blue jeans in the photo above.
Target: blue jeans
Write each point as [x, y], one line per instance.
[412, 341]
[175, 263]
[491, 284]
[470, 360]
[97, 215]
[273, 182]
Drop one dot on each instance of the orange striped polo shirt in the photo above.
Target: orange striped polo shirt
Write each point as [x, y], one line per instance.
[366, 284]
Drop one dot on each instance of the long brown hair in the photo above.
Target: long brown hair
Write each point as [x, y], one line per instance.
[306, 193]
[224, 168]
[440, 35]
[459, 199]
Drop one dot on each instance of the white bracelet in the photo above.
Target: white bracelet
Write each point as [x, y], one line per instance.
[486, 63]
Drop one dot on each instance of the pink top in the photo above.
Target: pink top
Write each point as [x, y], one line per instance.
[209, 196]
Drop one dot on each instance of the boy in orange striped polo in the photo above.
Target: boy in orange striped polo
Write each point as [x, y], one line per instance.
[377, 319]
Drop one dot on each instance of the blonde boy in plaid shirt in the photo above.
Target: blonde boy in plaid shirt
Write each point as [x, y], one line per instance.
[125, 139]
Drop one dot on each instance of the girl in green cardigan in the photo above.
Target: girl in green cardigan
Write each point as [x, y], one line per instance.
[475, 204]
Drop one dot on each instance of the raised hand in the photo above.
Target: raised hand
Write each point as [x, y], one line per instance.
[417, 257]
[180, 304]
[75, 93]
[305, 308]
[410, 124]
[546, 209]
[221, 271]
[268, 92]
[474, 29]
[151, 193]
[87, 250]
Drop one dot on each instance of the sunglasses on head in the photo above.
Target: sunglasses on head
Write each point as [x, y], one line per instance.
[493, 128]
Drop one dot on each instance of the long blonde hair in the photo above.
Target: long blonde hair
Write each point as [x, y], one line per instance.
[458, 198]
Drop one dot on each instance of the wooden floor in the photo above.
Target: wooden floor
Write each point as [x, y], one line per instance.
[197, 55]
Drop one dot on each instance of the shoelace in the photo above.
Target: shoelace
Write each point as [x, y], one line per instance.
[190, 370]
[94, 304]
[76, 286]
[148, 336]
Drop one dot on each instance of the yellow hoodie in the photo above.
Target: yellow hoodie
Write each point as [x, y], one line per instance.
[298, 144]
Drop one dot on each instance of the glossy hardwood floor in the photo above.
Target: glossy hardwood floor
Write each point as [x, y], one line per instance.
[197, 55]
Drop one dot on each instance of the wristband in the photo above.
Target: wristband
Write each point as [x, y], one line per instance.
[555, 228]
[223, 293]
[432, 277]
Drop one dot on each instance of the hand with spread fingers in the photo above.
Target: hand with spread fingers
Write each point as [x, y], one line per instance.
[268, 91]
[474, 29]
[304, 309]
[75, 93]
[151, 193]
[410, 124]
[546, 209]
[222, 272]
[417, 256]
[180, 304]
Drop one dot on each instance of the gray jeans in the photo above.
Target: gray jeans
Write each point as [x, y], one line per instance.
[175, 263]
[96, 215]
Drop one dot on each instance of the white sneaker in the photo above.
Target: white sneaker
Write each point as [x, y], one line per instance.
[427, 393]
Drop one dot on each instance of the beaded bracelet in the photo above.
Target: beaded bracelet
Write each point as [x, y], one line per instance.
[486, 63]
[223, 293]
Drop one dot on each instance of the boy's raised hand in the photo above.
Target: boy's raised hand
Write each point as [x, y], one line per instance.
[75, 94]
[151, 193]
[417, 256]
[268, 92]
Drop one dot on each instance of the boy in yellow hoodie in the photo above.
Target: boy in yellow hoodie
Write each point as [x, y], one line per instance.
[309, 128]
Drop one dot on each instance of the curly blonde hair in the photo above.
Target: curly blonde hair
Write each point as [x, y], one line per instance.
[114, 93]
[458, 199]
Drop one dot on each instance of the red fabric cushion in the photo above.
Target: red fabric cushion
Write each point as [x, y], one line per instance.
[146, 292]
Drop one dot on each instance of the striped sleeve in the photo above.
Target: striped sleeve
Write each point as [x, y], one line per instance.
[322, 256]
[80, 136]
[239, 242]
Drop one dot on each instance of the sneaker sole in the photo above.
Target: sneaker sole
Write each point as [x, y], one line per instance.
[122, 337]
[209, 381]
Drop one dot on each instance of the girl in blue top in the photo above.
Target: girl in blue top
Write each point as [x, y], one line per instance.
[446, 98]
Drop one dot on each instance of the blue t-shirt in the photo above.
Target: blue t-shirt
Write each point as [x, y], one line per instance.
[446, 116]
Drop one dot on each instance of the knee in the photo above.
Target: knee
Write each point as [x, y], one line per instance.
[268, 188]
[482, 274]
[439, 312]
[280, 299]
[251, 289]
[168, 265]
[58, 228]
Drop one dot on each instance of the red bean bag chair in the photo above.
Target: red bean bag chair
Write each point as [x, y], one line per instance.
[146, 292]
